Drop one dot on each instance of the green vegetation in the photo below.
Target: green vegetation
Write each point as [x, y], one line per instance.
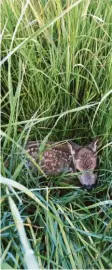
[56, 84]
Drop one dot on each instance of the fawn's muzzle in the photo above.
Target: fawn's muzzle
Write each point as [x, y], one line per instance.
[88, 180]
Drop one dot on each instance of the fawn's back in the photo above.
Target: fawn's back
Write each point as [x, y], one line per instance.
[55, 159]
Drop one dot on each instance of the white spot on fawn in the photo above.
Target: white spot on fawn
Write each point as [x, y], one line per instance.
[46, 154]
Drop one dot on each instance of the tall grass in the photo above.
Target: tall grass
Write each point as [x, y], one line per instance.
[57, 84]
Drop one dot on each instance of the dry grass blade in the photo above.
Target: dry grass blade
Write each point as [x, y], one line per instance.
[14, 184]
[29, 257]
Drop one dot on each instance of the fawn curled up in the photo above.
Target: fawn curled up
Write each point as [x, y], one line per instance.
[67, 157]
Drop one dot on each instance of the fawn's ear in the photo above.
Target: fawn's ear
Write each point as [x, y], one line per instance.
[73, 147]
[93, 145]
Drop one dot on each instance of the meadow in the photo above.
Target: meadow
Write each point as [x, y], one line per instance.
[56, 84]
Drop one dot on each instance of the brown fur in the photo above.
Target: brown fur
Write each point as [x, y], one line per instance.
[66, 157]
[56, 158]
[85, 161]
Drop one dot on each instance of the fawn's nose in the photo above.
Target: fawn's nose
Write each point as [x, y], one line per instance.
[89, 187]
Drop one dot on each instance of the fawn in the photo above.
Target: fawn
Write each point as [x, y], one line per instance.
[67, 157]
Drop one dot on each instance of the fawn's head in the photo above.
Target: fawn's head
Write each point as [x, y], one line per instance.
[85, 161]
